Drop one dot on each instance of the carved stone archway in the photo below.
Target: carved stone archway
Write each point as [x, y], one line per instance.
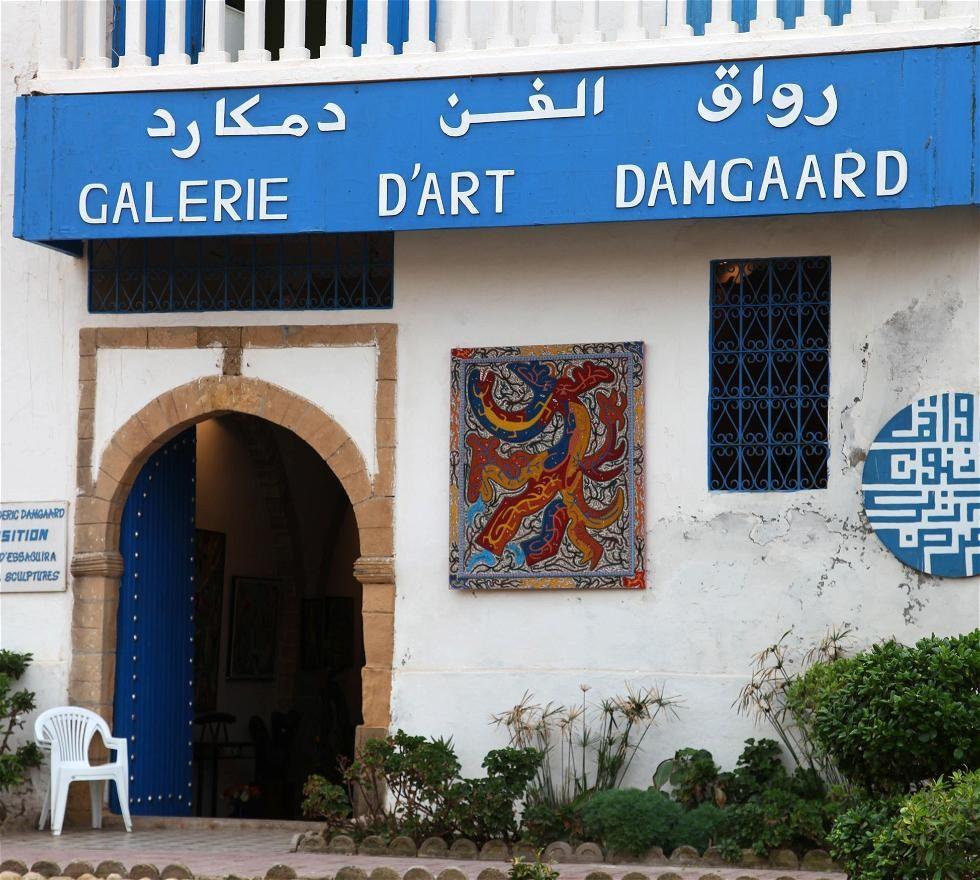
[97, 565]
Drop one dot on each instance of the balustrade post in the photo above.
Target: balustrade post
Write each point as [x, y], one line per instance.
[214, 34]
[502, 35]
[418, 42]
[765, 18]
[377, 29]
[677, 26]
[956, 8]
[53, 55]
[94, 35]
[813, 15]
[861, 13]
[335, 41]
[254, 33]
[134, 51]
[294, 32]
[459, 27]
[588, 31]
[544, 33]
[632, 28]
[721, 18]
[175, 34]
[909, 10]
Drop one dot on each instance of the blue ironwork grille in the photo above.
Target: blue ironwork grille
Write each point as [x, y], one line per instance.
[770, 374]
[229, 273]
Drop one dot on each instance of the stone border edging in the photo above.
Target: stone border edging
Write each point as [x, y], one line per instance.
[13, 869]
[559, 852]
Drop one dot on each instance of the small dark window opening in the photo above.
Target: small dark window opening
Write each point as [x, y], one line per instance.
[770, 374]
[248, 273]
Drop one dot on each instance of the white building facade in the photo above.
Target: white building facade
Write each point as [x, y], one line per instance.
[635, 249]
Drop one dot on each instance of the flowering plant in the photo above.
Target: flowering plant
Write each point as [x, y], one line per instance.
[243, 792]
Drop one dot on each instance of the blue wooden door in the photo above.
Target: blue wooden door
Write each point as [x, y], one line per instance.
[155, 637]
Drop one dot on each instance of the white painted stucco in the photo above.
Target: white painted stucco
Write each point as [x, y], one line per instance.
[340, 380]
[130, 378]
[728, 572]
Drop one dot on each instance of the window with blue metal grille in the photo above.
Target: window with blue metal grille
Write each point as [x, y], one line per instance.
[228, 273]
[770, 374]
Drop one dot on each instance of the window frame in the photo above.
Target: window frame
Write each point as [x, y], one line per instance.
[356, 260]
[799, 441]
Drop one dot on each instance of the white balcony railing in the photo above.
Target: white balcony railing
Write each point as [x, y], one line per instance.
[472, 37]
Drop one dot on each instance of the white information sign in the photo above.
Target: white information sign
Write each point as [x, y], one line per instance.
[33, 546]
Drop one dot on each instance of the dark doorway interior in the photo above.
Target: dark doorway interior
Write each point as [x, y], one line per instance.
[239, 644]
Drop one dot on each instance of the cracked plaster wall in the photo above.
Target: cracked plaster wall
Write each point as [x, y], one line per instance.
[729, 572]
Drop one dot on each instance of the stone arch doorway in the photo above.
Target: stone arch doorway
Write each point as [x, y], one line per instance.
[97, 565]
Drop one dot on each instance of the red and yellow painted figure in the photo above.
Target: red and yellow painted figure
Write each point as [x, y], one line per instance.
[553, 479]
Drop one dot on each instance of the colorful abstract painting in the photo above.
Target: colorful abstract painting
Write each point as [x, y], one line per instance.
[546, 468]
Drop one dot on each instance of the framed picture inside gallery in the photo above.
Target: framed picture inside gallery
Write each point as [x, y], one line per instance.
[253, 616]
[209, 583]
[327, 632]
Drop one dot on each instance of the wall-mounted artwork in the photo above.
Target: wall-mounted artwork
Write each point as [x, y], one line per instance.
[921, 485]
[546, 467]
[209, 588]
[254, 621]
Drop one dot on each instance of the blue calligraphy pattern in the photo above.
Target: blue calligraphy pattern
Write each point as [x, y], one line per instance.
[922, 485]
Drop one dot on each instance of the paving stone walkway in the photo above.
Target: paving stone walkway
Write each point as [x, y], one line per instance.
[222, 849]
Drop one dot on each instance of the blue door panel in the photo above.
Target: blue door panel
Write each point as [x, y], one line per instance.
[155, 637]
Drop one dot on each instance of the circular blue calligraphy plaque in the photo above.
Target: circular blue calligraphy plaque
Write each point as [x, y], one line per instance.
[922, 485]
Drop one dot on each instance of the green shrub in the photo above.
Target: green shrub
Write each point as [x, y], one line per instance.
[759, 768]
[411, 785]
[483, 808]
[937, 833]
[699, 827]
[402, 781]
[324, 800]
[852, 840]
[631, 821]
[895, 715]
[933, 834]
[544, 822]
[536, 870]
[15, 762]
[693, 777]
[778, 818]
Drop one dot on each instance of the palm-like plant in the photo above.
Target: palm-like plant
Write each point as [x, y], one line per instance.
[588, 747]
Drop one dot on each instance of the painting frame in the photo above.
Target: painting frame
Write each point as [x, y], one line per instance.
[547, 467]
[254, 601]
[327, 633]
[209, 594]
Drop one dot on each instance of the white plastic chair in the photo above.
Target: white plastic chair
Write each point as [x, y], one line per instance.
[67, 731]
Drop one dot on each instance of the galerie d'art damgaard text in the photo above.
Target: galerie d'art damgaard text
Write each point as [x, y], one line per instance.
[444, 192]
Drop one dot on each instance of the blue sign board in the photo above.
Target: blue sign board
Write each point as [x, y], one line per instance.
[894, 129]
